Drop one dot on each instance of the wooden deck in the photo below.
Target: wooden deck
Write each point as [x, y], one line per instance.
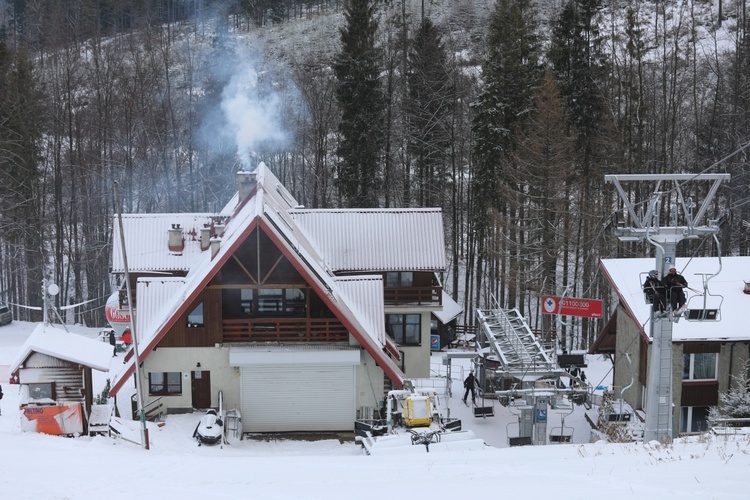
[284, 330]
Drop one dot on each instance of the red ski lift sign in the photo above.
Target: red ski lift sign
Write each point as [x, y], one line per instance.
[569, 306]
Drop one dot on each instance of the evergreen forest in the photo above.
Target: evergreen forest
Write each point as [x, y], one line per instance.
[507, 114]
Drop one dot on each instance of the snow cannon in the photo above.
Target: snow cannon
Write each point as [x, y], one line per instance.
[118, 319]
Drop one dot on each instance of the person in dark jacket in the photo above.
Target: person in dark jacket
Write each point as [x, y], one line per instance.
[469, 386]
[654, 290]
[674, 283]
[113, 342]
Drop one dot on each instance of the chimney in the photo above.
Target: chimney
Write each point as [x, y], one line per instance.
[205, 237]
[245, 184]
[219, 230]
[176, 240]
[747, 287]
[215, 246]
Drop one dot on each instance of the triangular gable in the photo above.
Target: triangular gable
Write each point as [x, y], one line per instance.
[266, 212]
[71, 347]
[337, 303]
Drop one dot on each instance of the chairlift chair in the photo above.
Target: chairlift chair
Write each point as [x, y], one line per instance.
[484, 411]
[705, 307]
[517, 440]
[561, 434]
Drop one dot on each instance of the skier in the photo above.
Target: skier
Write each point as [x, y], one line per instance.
[674, 284]
[113, 342]
[469, 386]
[654, 290]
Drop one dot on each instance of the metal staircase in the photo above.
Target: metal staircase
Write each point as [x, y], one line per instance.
[505, 337]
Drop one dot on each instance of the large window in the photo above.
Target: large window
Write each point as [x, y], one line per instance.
[395, 279]
[404, 328]
[700, 366]
[693, 419]
[164, 383]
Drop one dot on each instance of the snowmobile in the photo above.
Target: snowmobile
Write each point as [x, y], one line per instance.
[210, 429]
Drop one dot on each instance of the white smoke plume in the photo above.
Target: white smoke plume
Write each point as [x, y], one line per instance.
[252, 114]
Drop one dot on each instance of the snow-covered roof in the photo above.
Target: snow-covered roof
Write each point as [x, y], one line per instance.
[154, 294]
[365, 293]
[725, 291]
[58, 343]
[266, 208]
[378, 239]
[147, 241]
[450, 309]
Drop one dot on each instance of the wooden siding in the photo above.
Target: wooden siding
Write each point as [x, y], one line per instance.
[700, 393]
[69, 378]
[700, 347]
[207, 336]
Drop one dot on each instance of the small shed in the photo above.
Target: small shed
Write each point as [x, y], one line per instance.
[54, 368]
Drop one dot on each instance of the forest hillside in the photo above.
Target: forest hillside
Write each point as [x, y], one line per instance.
[507, 114]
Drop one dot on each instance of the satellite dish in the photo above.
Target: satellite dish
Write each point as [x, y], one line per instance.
[53, 289]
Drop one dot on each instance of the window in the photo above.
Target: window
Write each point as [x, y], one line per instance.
[264, 302]
[693, 419]
[397, 279]
[246, 301]
[42, 391]
[270, 300]
[700, 366]
[404, 328]
[195, 318]
[166, 383]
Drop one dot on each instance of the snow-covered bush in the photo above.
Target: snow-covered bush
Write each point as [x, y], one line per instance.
[735, 403]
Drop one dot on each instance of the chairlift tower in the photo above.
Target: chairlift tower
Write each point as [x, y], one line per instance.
[645, 225]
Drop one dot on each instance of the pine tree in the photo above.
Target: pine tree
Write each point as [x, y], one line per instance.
[362, 105]
[430, 98]
[576, 57]
[511, 74]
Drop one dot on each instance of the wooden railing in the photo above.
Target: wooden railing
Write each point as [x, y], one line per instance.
[466, 330]
[284, 330]
[153, 410]
[422, 295]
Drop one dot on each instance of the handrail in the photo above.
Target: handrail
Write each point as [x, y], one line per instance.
[284, 330]
[153, 409]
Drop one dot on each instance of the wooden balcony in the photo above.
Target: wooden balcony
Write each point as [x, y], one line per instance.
[414, 295]
[284, 330]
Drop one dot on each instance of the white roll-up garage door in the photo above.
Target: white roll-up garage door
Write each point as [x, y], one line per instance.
[310, 391]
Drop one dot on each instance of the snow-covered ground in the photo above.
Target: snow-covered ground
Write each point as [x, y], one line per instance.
[40, 466]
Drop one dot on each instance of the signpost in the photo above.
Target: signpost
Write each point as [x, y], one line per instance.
[585, 308]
